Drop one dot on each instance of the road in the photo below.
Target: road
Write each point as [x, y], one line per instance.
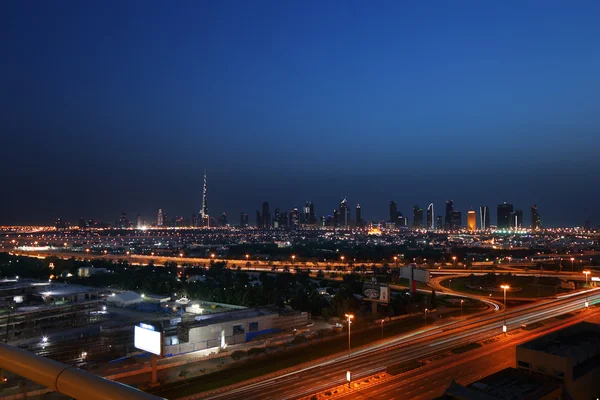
[374, 358]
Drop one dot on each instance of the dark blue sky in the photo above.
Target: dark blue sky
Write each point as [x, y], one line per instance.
[113, 106]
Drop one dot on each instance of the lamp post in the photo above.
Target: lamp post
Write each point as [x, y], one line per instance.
[247, 258]
[454, 260]
[349, 316]
[396, 261]
[381, 328]
[426, 316]
[342, 258]
[461, 307]
[505, 287]
[572, 260]
[293, 259]
[587, 273]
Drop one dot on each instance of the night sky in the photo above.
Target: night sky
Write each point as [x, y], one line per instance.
[112, 106]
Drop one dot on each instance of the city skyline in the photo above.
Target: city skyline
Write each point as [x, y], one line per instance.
[109, 109]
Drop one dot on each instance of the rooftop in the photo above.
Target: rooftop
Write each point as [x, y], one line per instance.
[507, 384]
[211, 319]
[578, 342]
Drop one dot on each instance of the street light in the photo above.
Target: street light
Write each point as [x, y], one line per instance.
[586, 284]
[461, 307]
[349, 316]
[454, 260]
[381, 328]
[505, 287]
[426, 316]
[396, 261]
[587, 273]
[293, 258]
[572, 259]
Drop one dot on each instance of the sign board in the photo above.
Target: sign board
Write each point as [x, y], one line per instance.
[417, 274]
[148, 340]
[376, 292]
[348, 376]
[596, 278]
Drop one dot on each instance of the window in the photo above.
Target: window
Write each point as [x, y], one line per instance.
[237, 329]
[253, 327]
[523, 364]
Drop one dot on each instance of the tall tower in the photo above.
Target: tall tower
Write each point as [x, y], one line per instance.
[536, 222]
[204, 218]
[430, 217]
[503, 219]
[484, 217]
[449, 210]
[159, 218]
[358, 216]
[472, 220]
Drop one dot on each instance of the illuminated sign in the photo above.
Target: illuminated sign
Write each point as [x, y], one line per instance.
[146, 326]
[596, 278]
[147, 340]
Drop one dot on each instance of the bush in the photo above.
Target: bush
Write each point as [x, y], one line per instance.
[238, 354]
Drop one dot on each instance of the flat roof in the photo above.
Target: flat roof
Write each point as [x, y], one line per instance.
[507, 384]
[578, 342]
[212, 319]
[63, 290]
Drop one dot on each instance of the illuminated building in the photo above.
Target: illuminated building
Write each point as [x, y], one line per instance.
[344, 213]
[266, 215]
[430, 217]
[484, 217]
[455, 220]
[358, 216]
[417, 217]
[536, 222]
[472, 220]
[159, 218]
[503, 215]
[243, 220]
[516, 219]
[449, 210]
[258, 219]
[439, 222]
[204, 217]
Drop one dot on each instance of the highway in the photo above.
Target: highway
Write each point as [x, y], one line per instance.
[374, 358]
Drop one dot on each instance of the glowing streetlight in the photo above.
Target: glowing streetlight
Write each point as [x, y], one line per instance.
[180, 254]
[212, 256]
[572, 260]
[461, 307]
[44, 339]
[426, 316]
[381, 328]
[505, 287]
[349, 316]
[454, 260]
[342, 258]
[395, 261]
[587, 273]
[293, 258]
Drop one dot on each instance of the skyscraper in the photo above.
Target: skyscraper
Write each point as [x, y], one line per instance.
[472, 220]
[243, 220]
[516, 219]
[266, 215]
[449, 210]
[393, 211]
[159, 218]
[503, 215]
[313, 217]
[204, 216]
[439, 222]
[455, 220]
[536, 221]
[484, 217]
[259, 222]
[344, 213]
[358, 217]
[417, 217]
[138, 224]
[223, 220]
[430, 217]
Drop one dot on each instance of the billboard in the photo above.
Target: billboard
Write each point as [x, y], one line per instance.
[412, 272]
[376, 292]
[147, 339]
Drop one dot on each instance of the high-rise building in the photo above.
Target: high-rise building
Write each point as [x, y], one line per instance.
[417, 217]
[266, 215]
[139, 223]
[536, 221]
[449, 210]
[259, 222]
[204, 218]
[344, 213]
[359, 222]
[123, 222]
[430, 217]
[159, 218]
[455, 220]
[81, 224]
[516, 219]
[295, 218]
[194, 219]
[472, 220]
[222, 221]
[393, 211]
[503, 215]
[313, 217]
[243, 220]
[305, 218]
[336, 218]
[484, 217]
[439, 222]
